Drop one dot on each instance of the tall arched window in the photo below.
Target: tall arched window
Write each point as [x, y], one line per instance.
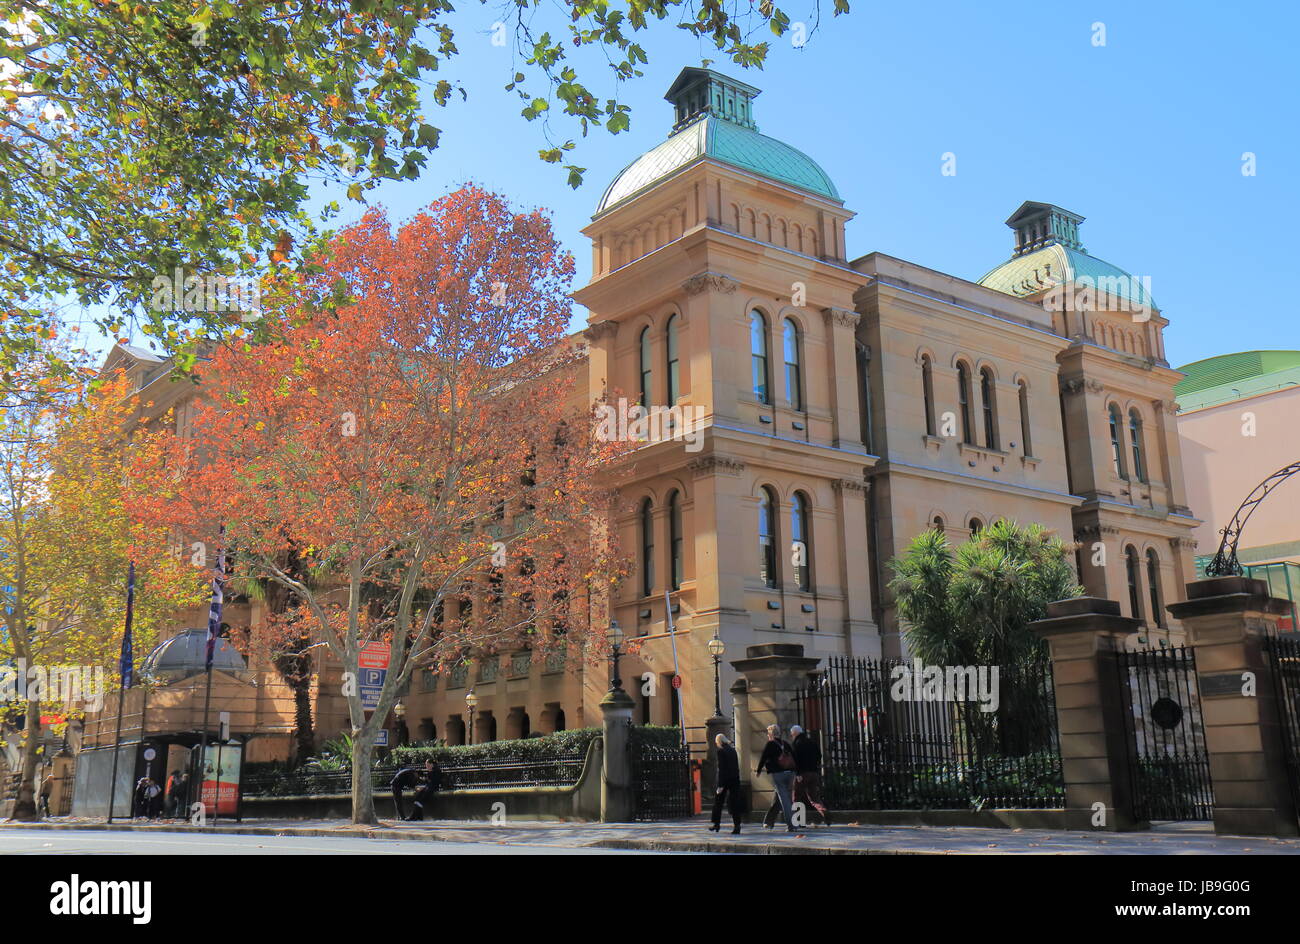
[758, 355]
[793, 374]
[976, 526]
[1153, 588]
[938, 524]
[1116, 445]
[675, 563]
[767, 537]
[674, 377]
[1132, 570]
[990, 410]
[647, 548]
[964, 397]
[646, 371]
[800, 542]
[1135, 438]
[927, 391]
[1026, 448]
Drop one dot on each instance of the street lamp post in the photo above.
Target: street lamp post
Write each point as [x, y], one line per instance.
[471, 700]
[716, 649]
[615, 636]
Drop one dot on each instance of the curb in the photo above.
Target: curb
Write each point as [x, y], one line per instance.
[305, 831]
[736, 848]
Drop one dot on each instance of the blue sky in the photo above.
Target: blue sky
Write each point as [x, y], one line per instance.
[1143, 136]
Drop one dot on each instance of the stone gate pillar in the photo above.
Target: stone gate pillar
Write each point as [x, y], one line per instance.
[1084, 634]
[772, 675]
[617, 803]
[1227, 620]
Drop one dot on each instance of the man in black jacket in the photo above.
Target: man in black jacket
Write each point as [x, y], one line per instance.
[728, 791]
[808, 773]
[432, 781]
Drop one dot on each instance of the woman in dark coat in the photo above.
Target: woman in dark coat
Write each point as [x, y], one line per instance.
[777, 761]
[728, 785]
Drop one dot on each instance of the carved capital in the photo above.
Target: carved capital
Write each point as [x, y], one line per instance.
[716, 465]
[710, 281]
[600, 330]
[842, 317]
[851, 485]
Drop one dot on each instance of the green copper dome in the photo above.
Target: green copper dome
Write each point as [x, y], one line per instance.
[714, 122]
[1048, 252]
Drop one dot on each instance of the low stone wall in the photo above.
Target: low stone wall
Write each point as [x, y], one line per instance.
[580, 802]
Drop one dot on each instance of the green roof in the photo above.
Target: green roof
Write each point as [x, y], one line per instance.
[715, 123]
[1033, 272]
[1230, 377]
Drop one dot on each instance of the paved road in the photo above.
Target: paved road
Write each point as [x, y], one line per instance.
[47, 842]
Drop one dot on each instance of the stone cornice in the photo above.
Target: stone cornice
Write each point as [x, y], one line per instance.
[716, 465]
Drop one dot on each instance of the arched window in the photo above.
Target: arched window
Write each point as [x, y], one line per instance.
[758, 355]
[938, 524]
[1132, 570]
[990, 411]
[800, 542]
[793, 375]
[646, 372]
[1026, 448]
[927, 391]
[1135, 438]
[1153, 588]
[674, 378]
[647, 548]
[767, 538]
[675, 539]
[1116, 445]
[976, 526]
[964, 397]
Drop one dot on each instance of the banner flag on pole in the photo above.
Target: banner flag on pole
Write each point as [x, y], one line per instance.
[218, 600]
[126, 665]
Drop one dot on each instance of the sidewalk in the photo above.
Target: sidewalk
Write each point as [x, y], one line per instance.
[693, 836]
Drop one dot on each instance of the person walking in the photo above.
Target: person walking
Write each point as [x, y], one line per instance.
[182, 792]
[47, 788]
[404, 779]
[728, 791]
[424, 796]
[777, 761]
[808, 772]
[170, 798]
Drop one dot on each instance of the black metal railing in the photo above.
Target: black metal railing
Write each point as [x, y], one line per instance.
[888, 744]
[559, 770]
[1170, 766]
[1284, 653]
[661, 781]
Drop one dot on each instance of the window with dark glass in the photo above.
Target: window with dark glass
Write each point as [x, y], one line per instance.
[990, 412]
[1026, 447]
[758, 355]
[1132, 570]
[927, 391]
[647, 373]
[1135, 438]
[676, 564]
[767, 538]
[674, 377]
[1116, 444]
[1153, 588]
[800, 542]
[647, 548]
[793, 370]
[964, 397]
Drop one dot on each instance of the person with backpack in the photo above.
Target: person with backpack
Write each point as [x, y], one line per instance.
[777, 761]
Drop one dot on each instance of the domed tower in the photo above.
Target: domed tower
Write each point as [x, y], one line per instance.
[720, 290]
[1117, 407]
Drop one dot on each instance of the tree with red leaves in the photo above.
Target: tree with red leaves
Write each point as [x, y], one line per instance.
[423, 451]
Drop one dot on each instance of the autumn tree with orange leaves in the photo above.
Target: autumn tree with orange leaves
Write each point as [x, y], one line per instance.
[424, 453]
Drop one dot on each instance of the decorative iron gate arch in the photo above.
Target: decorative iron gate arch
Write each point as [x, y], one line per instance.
[1225, 563]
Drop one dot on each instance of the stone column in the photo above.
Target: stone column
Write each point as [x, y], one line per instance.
[773, 674]
[1227, 620]
[617, 802]
[1084, 635]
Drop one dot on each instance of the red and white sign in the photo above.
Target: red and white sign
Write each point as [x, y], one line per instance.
[677, 681]
[373, 655]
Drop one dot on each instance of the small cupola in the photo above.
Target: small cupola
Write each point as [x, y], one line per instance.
[1042, 224]
[699, 92]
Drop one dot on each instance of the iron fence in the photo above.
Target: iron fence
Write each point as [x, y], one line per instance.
[1169, 764]
[661, 781]
[559, 770]
[887, 745]
[1284, 652]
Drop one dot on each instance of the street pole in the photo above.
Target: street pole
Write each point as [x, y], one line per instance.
[126, 675]
[672, 633]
